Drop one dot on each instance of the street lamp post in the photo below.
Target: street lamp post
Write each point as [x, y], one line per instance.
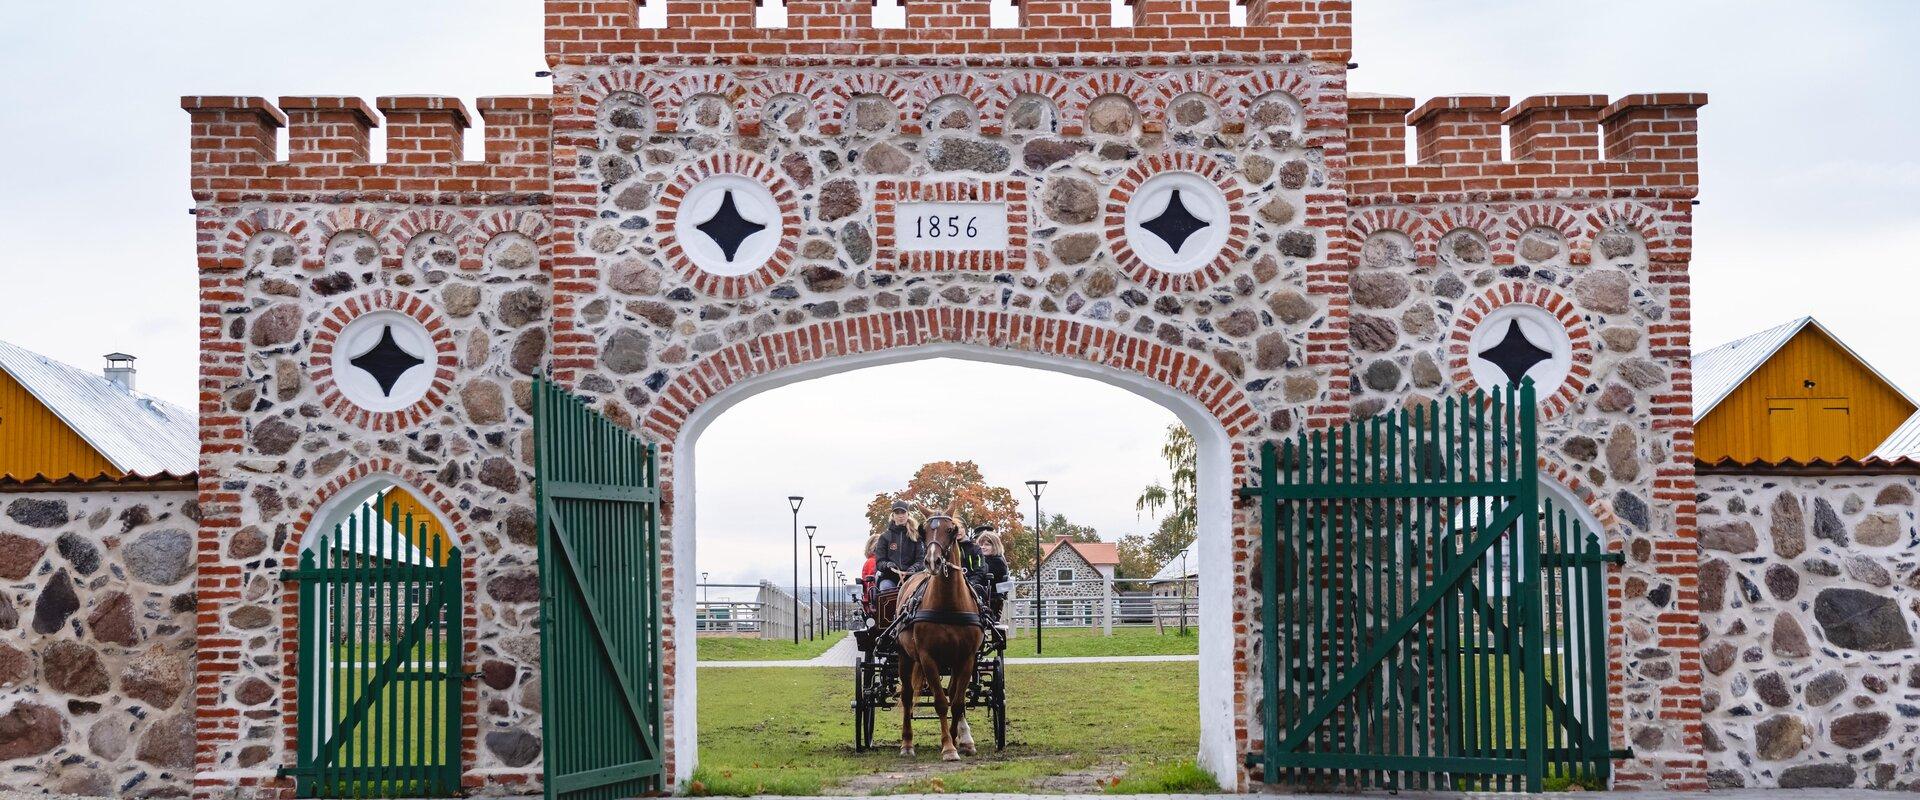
[809, 551]
[1039, 620]
[794, 501]
[820, 560]
[706, 603]
[827, 612]
[1183, 593]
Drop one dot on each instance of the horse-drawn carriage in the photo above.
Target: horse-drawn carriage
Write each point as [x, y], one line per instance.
[923, 617]
[876, 680]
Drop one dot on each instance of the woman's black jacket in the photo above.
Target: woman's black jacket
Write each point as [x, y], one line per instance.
[898, 552]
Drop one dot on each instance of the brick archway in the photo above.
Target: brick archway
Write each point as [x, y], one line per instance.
[1226, 426]
[1175, 368]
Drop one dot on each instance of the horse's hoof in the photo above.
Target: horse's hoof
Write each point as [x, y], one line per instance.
[907, 751]
[968, 750]
[949, 755]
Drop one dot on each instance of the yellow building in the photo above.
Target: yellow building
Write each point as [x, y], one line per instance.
[61, 422]
[1797, 392]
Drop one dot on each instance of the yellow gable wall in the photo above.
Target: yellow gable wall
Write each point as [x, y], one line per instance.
[1774, 415]
[426, 531]
[35, 442]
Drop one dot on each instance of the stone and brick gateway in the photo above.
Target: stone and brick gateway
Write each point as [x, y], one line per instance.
[1346, 277]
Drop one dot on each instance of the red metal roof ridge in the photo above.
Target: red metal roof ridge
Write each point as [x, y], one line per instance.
[1845, 464]
[73, 481]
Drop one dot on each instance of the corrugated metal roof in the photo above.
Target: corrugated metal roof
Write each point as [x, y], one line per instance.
[1717, 372]
[137, 432]
[1171, 570]
[1904, 442]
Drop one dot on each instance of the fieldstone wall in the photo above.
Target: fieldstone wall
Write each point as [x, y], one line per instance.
[1810, 616]
[96, 642]
[472, 276]
[1345, 281]
[648, 336]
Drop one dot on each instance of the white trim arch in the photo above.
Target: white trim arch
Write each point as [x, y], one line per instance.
[1216, 752]
[335, 509]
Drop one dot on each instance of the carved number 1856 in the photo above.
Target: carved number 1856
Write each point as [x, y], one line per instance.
[930, 227]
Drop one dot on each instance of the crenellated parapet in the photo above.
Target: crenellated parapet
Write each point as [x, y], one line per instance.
[1578, 145]
[823, 101]
[587, 32]
[330, 146]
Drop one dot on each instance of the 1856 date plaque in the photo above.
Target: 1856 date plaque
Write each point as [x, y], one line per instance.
[952, 225]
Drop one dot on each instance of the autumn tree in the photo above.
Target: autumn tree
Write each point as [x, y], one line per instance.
[938, 483]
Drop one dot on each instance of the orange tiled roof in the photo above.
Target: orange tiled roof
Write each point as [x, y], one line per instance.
[1096, 553]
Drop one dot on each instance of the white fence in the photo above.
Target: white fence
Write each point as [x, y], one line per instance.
[765, 610]
[1105, 604]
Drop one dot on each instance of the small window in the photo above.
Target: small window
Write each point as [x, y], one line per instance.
[1063, 574]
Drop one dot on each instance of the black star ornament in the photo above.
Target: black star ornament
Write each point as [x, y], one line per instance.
[1175, 224]
[386, 361]
[727, 228]
[1515, 354]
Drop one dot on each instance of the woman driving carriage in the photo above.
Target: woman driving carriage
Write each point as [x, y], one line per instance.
[899, 550]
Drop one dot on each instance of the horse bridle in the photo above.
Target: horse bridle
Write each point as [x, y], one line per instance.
[943, 565]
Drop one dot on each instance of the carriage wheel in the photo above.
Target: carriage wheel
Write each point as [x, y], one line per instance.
[862, 735]
[999, 700]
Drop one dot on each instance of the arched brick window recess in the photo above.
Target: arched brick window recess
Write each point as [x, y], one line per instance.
[338, 527]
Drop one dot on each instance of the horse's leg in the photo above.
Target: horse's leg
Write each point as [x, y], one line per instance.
[907, 692]
[962, 680]
[941, 709]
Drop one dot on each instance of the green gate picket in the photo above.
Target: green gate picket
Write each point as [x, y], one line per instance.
[378, 674]
[597, 496]
[1428, 619]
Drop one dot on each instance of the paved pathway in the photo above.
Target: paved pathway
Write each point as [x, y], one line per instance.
[839, 655]
[842, 652]
[1097, 659]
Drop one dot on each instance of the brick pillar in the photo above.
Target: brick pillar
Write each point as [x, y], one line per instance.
[1556, 127]
[424, 129]
[1458, 129]
[328, 130]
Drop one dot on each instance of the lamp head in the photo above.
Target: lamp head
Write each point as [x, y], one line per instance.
[1036, 487]
[795, 501]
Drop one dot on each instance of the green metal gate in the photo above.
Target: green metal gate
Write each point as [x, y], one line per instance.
[1416, 591]
[378, 675]
[598, 502]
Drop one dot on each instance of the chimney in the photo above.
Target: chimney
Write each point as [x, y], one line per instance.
[120, 370]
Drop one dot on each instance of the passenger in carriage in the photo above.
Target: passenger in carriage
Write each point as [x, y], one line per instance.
[867, 570]
[991, 569]
[899, 550]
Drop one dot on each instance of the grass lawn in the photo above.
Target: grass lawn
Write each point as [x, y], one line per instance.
[1123, 642]
[740, 648]
[1072, 728]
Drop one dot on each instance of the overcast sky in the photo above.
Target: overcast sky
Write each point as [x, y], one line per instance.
[1808, 152]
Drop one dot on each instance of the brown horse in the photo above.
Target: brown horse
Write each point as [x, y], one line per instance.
[941, 636]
